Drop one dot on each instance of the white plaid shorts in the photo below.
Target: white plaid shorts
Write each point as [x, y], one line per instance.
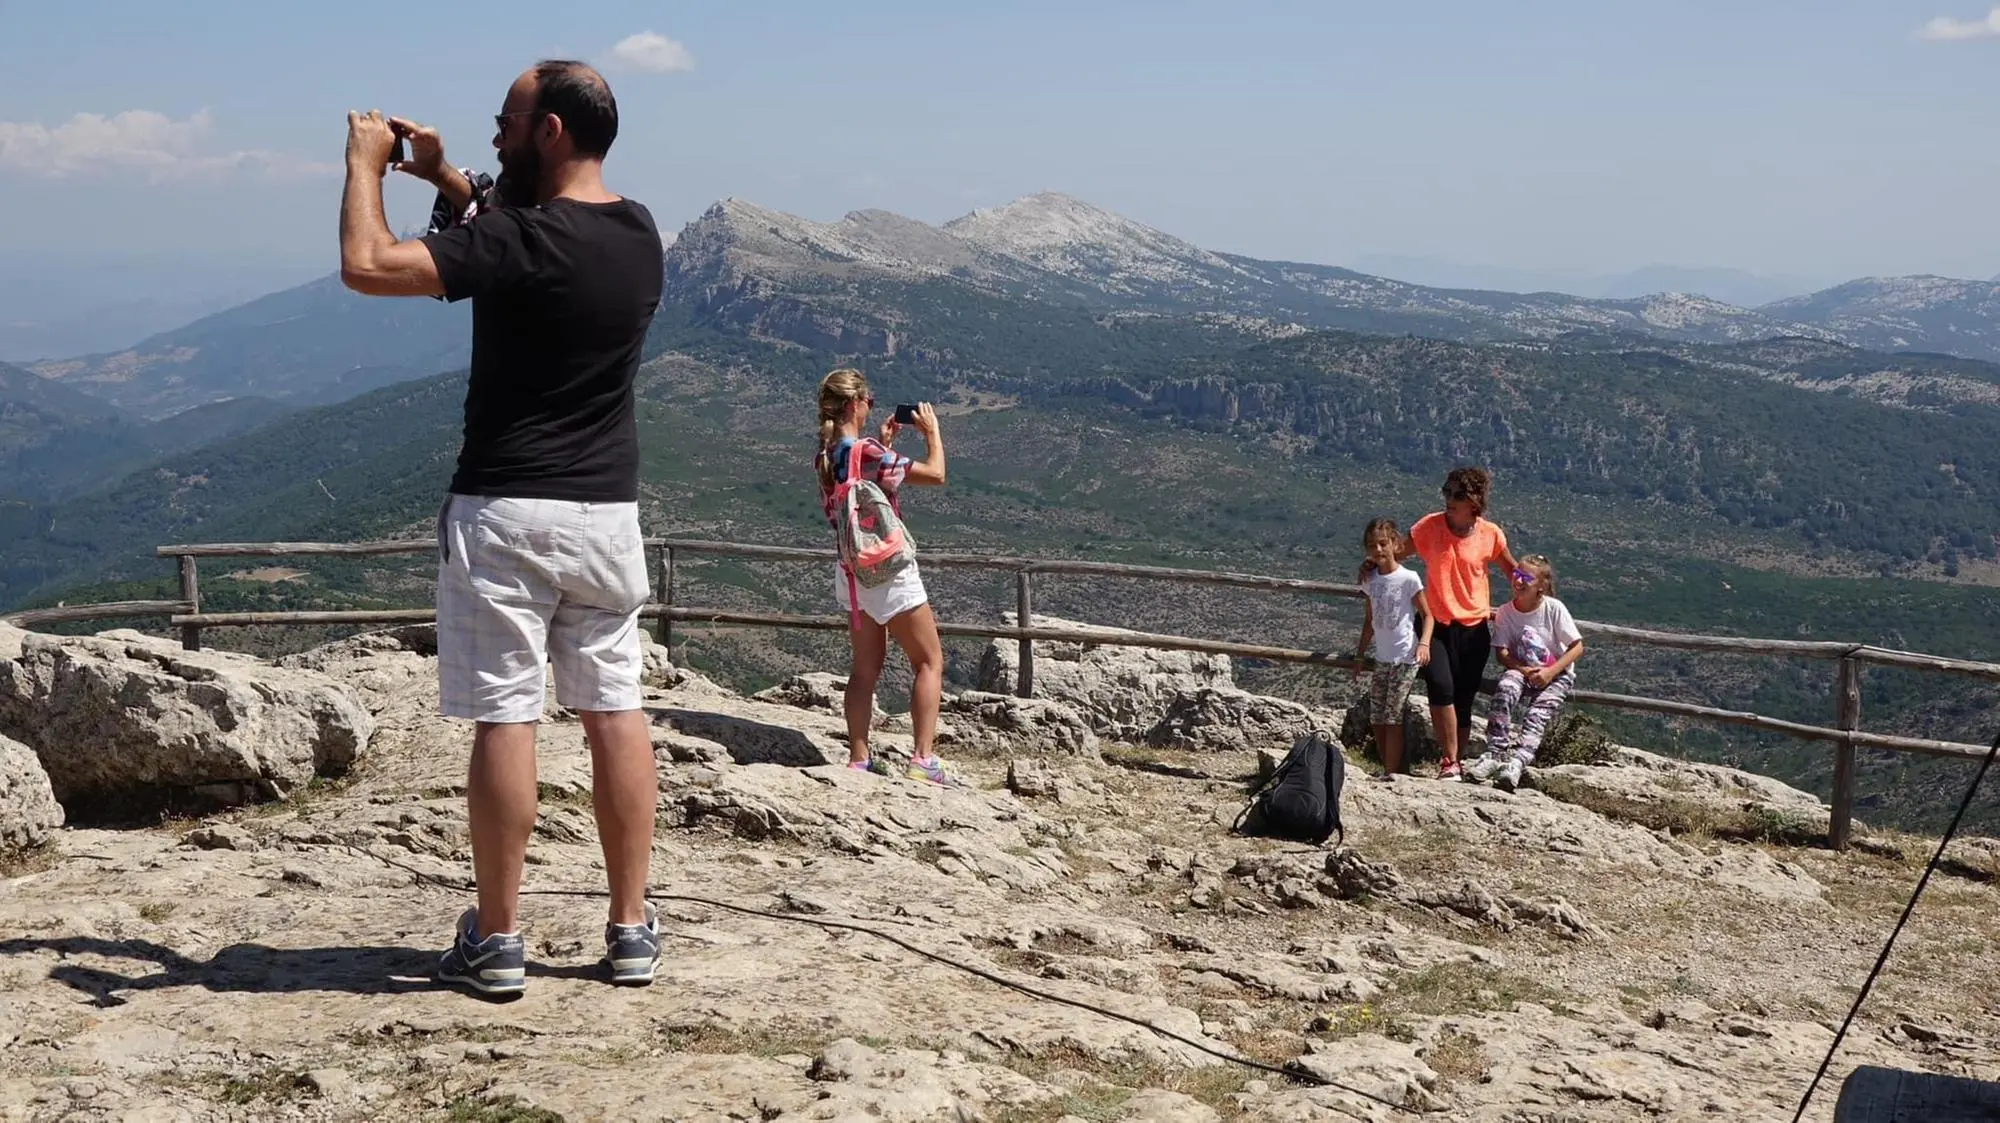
[528, 583]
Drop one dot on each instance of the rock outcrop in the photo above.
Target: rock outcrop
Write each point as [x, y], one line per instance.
[1231, 720]
[999, 723]
[123, 720]
[1061, 938]
[29, 813]
[1123, 692]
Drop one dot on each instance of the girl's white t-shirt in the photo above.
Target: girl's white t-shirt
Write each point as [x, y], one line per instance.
[1392, 614]
[1536, 638]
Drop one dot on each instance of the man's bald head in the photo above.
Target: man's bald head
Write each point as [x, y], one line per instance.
[576, 94]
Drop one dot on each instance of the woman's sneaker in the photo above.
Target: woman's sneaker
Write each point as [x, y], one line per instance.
[931, 770]
[1449, 770]
[496, 965]
[633, 950]
[1509, 776]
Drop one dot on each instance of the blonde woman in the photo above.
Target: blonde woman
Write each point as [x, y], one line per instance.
[900, 608]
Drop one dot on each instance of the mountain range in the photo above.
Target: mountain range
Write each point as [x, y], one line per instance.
[318, 343]
[1055, 248]
[308, 345]
[56, 442]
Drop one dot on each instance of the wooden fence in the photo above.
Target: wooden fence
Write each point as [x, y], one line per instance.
[1845, 734]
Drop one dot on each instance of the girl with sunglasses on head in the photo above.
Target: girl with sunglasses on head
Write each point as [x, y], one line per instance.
[899, 608]
[1536, 639]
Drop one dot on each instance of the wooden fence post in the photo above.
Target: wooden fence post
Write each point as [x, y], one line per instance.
[191, 593]
[1847, 717]
[1024, 603]
[667, 600]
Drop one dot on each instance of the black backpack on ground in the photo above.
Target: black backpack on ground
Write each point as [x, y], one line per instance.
[1301, 800]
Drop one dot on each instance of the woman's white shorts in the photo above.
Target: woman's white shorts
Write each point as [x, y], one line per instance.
[883, 603]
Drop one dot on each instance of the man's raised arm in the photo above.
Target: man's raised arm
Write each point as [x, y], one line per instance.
[372, 261]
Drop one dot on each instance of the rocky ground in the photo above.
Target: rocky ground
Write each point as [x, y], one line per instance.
[1639, 939]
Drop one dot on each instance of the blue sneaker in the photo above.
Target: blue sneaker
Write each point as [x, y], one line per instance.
[633, 950]
[496, 965]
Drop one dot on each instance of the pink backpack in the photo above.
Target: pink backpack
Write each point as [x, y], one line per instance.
[873, 542]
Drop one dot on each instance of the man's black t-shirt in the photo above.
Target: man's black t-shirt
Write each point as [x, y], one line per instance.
[562, 294]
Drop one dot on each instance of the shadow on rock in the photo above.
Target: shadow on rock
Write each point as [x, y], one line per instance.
[253, 968]
[748, 741]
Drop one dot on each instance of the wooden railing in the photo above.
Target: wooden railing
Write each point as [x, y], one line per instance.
[1845, 734]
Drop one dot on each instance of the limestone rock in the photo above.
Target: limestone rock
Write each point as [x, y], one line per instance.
[1000, 723]
[911, 1085]
[1229, 719]
[123, 718]
[755, 732]
[1122, 692]
[1157, 1105]
[1032, 779]
[657, 668]
[378, 665]
[1704, 794]
[219, 836]
[29, 813]
[776, 1002]
[1387, 1070]
[413, 639]
[814, 690]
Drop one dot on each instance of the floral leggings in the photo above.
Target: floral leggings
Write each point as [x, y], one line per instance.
[1538, 708]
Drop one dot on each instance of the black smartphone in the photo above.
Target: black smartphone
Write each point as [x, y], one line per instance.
[906, 413]
[400, 154]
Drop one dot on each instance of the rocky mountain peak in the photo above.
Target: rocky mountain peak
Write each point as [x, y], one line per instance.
[1070, 237]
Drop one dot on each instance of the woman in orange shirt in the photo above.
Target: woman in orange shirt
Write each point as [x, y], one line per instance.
[1458, 544]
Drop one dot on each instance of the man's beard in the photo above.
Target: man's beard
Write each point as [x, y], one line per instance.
[520, 177]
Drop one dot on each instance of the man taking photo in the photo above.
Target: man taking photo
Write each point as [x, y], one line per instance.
[541, 560]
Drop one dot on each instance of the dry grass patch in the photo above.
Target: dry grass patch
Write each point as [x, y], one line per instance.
[20, 861]
[1439, 991]
[557, 795]
[1213, 1085]
[156, 912]
[1458, 1058]
[1180, 763]
[785, 1037]
[271, 1084]
[506, 1109]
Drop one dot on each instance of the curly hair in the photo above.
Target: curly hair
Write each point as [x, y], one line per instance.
[1472, 485]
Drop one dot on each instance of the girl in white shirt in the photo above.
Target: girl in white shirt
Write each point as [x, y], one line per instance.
[1537, 642]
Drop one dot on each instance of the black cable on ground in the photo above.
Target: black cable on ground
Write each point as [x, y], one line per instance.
[1294, 1073]
[1883, 959]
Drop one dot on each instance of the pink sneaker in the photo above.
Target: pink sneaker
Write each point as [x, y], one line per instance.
[1450, 770]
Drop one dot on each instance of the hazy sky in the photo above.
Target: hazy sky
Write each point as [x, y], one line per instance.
[1812, 138]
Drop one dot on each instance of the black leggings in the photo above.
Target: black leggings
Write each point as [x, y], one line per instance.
[1458, 661]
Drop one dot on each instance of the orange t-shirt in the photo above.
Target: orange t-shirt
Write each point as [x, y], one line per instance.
[1456, 588]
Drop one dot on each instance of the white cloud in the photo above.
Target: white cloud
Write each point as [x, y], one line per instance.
[651, 51]
[135, 141]
[1944, 29]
